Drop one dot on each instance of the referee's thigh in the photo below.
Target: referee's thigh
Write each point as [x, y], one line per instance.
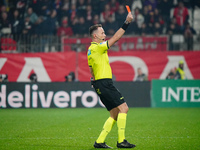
[123, 108]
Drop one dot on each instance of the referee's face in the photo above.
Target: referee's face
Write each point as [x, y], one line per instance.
[100, 34]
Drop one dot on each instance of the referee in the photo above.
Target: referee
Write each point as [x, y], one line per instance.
[102, 82]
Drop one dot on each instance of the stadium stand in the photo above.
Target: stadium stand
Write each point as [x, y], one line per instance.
[26, 24]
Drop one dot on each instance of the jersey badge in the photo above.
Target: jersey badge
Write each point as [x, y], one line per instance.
[89, 52]
[103, 42]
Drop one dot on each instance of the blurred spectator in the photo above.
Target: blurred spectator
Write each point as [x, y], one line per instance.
[36, 5]
[75, 26]
[3, 78]
[106, 13]
[150, 24]
[72, 13]
[32, 15]
[33, 77]
[21, 6]
[58, 6]
[82, 27]
[40, 27]
[3, 10]
[52, 23]
[50, 42]
[188, 35]
[89, 14]
[180, 74]
[111, 26]
[120, 15]
[171, 74]
[45, 8]
[81, 4]
[173, 28]
[152, 4]
[150, 10]
[141, 76]
[65, 29]
[70, 77]
[156, 20]
[101, 5]
[157, 29]
[65, 8]
[16, 25]
[136, 4]
[114, 5]
[95, 6]
[27, 26]
[158, 17]
[146, 15]
[181, 14]
[187, 3]
[136, 25]
[95, 19]
[5, 26]
[40, 38]
[138, 18]
[165, 6]
[81, 8]
[27, 30]
[144, 30]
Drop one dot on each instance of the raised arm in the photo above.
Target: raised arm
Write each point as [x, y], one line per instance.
[121, 31]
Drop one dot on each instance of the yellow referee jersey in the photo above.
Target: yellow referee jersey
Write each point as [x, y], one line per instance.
[98, 59]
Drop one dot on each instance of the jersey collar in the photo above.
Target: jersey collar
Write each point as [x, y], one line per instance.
[94, 43]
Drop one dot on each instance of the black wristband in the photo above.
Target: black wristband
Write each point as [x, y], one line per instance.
[125, 26]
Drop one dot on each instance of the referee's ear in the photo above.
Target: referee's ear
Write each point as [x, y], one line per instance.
[93, 36]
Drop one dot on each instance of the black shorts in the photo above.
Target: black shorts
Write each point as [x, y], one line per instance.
[109, 95]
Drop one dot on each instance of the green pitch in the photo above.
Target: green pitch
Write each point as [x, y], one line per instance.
[77, 129]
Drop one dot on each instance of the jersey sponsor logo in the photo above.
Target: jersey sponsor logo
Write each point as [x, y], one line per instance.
[89, 52]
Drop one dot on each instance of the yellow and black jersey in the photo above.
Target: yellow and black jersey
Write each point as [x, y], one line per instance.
[98, 60]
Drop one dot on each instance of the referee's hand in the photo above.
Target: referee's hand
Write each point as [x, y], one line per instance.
[129, 17]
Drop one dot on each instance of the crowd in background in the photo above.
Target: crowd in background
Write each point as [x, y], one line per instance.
[73, 17]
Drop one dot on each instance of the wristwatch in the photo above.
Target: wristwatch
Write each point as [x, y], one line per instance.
[126, 22]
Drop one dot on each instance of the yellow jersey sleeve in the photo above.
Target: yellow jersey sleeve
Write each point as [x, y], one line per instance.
[103, 47]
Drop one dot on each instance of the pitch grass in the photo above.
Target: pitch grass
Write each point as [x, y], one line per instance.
[77, 129]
